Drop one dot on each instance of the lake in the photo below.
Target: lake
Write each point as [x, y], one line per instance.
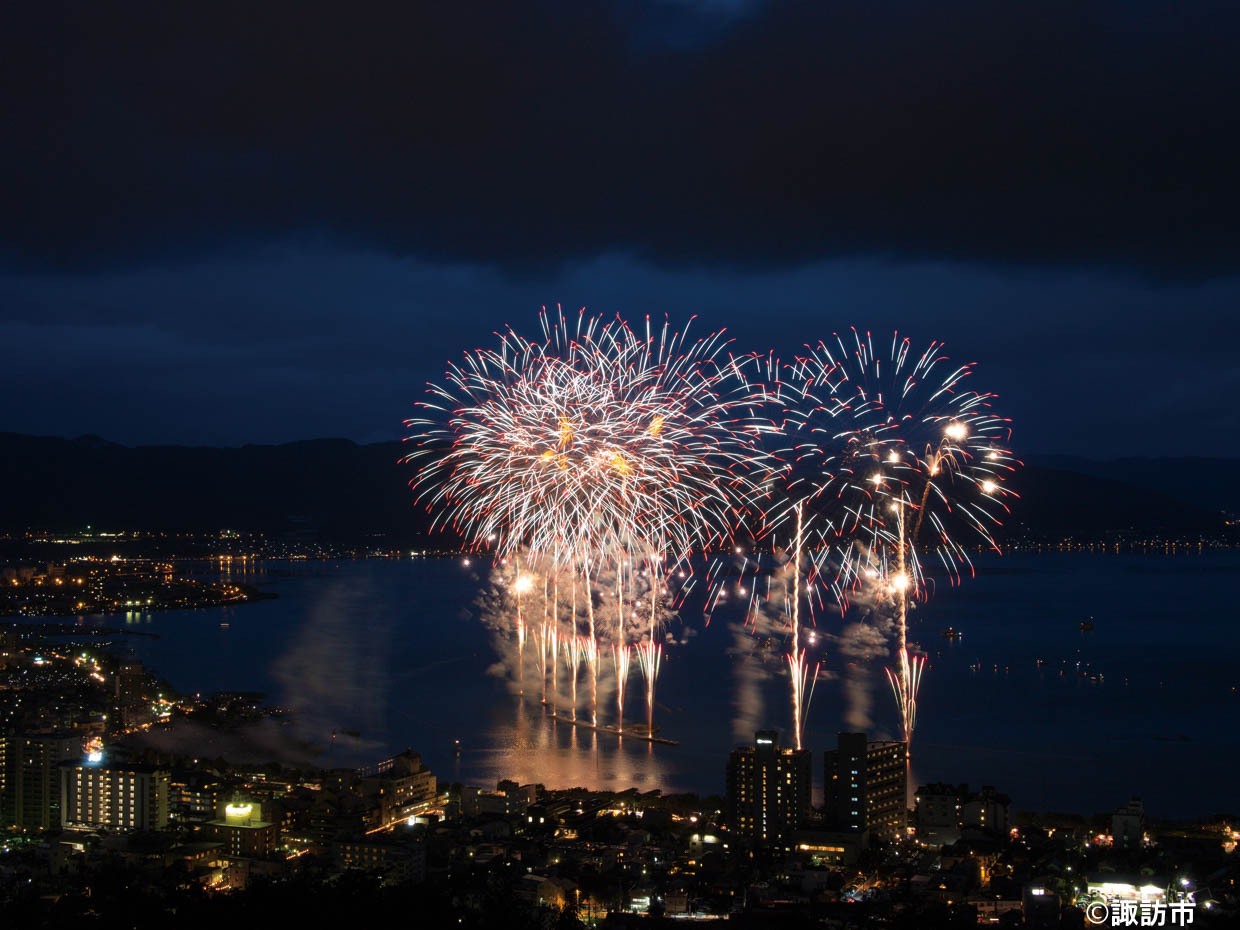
[389, 654]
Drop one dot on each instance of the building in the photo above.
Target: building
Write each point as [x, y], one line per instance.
[130, 683]
[402, 785]
[118, 797]
[866, 784]
[525, 793]
[1115, 888]
[242, 830]
[399, 857]
[986, 810]
[10, 639]
[1040, 906]
[30, 778]
[942, 811]
[938, 813]
[768, 789]
[1128, 825]
[195, 796]
[831, 847]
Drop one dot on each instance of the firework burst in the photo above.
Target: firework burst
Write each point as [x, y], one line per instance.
[889, 456]
[595, 446]
[601, 458]
[592, 441]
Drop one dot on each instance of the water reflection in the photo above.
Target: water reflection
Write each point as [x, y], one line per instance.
[392, 649]
[537, 747]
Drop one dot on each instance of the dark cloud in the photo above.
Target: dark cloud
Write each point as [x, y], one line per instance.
[236, 222]
[693, 134]
[289, 344]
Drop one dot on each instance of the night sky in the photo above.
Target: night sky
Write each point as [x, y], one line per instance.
[267, 221]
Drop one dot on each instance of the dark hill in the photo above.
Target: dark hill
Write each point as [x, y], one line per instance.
[339, 489]
[1208, 483]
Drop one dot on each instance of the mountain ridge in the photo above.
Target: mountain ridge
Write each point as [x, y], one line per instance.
[340, 488]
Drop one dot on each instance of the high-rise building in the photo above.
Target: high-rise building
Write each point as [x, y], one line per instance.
[1128, 825]
[114, 797]
[130, 683]
[865, 785]
[768, 789]
[30, 778]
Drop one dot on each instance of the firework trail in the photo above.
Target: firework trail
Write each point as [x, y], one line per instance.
[642, 606]
[789, 591]
[544, 637]
[522, 584]
[574, 656]
[650, 657]
[798, 667]
[651, 666]
[552, 644]
[504, 607]
[621, 657]
[904, 685]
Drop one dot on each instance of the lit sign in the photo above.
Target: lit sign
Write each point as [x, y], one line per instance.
[237, 811]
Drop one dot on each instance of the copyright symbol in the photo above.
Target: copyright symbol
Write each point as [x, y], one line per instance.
[1097, 913]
